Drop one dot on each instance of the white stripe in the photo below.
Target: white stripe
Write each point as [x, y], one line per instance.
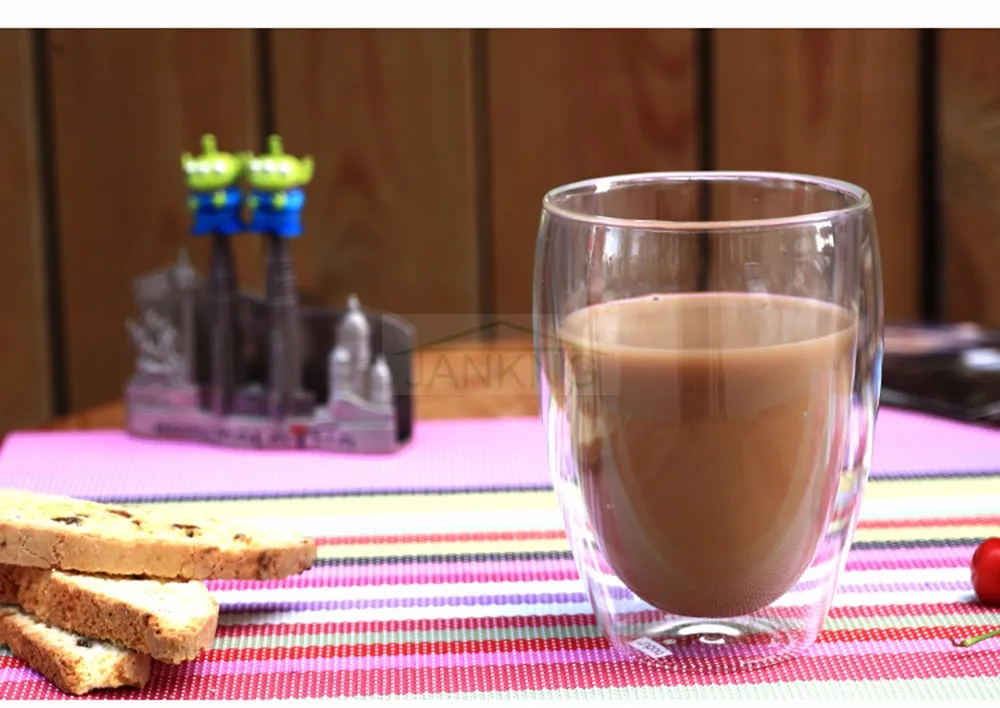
[916, 576]
[942, 507]
[525, 610]
[391, 524]
[403, 613]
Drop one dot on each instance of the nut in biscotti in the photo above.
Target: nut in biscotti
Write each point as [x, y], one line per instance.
[48, 531]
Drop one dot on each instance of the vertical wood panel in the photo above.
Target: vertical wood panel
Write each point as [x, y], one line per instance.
[837, 103]
[567, 105]
[126, 103]
[391, 211]
[969, 130]
[25, 386]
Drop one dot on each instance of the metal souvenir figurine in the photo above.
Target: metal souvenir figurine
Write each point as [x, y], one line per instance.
[220, 365]
[276, 200]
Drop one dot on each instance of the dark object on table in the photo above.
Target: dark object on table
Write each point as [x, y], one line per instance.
[951, 371]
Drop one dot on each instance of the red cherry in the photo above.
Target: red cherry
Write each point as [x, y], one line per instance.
[986, 582]
[986, 571]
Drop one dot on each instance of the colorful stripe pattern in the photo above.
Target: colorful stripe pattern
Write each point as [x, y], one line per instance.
[474, 594]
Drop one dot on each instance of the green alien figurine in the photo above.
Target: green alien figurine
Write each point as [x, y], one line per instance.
[276, 196]
[214, 198]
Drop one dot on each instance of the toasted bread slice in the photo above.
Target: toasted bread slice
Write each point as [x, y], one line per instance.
[74, 663]
[47, 531]
[169, 620]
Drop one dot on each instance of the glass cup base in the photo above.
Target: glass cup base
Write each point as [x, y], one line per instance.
[723, 646]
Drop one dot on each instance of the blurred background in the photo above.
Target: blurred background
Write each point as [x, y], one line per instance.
[434, 149]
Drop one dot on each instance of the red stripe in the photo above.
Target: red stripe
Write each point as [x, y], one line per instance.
[578, 620]
[410, 625]
[40, 689]
[937, 608]
[547, 644]
[170, 682]
[464, 537]
[474, 536]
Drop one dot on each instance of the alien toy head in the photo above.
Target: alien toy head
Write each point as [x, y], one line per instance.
[275, 171]
[212, 169]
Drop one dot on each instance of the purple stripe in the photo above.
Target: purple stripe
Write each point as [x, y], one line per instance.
[536, 599]
[902, 558]
[403, 602]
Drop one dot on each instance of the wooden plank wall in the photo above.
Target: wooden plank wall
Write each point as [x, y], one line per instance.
[25, 366]
[838, 104]
[434, 148]
[969, 115]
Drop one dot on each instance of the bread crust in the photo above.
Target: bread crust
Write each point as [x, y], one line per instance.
[49, 531]
[172, 621]
[75, 664]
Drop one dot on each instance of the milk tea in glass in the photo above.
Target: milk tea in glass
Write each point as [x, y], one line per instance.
[708, 349]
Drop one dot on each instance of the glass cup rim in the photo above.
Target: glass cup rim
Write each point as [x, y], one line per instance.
[860, 200]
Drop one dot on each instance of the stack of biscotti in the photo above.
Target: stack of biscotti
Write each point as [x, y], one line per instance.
[91, 594]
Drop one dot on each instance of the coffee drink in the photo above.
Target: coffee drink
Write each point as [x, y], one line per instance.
[707, 432]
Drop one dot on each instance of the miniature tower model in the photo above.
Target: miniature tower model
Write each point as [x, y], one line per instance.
[186, 278]
[356, 381]
[222, 295]
[381, 383]
[354, 335]
[276, 202]
[214, 201]
[340, 374]
[285, 365]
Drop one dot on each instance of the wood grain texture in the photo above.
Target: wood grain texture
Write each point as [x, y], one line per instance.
[567, 105]
[461, 380]
[391, 211]
[25, 382]
[126, 104]
[969, 130]
[837, 103]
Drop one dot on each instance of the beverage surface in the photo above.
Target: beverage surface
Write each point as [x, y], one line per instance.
[708, 435]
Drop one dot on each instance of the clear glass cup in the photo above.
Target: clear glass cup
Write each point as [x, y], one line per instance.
[708, 352]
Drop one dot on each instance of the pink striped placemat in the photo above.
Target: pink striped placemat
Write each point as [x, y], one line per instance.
[475, 595]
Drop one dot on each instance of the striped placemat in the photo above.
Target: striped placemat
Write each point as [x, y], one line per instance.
[473, 593]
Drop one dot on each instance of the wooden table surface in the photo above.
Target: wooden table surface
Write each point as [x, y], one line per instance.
[471, 380]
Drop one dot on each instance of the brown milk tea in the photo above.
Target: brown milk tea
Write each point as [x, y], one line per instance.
[708, 433]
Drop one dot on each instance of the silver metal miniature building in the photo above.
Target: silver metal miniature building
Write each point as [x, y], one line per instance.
[355, 371]
[219, 365]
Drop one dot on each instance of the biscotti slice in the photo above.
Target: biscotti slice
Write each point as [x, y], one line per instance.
[47, 531]
[169, 620]
[74, 663]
